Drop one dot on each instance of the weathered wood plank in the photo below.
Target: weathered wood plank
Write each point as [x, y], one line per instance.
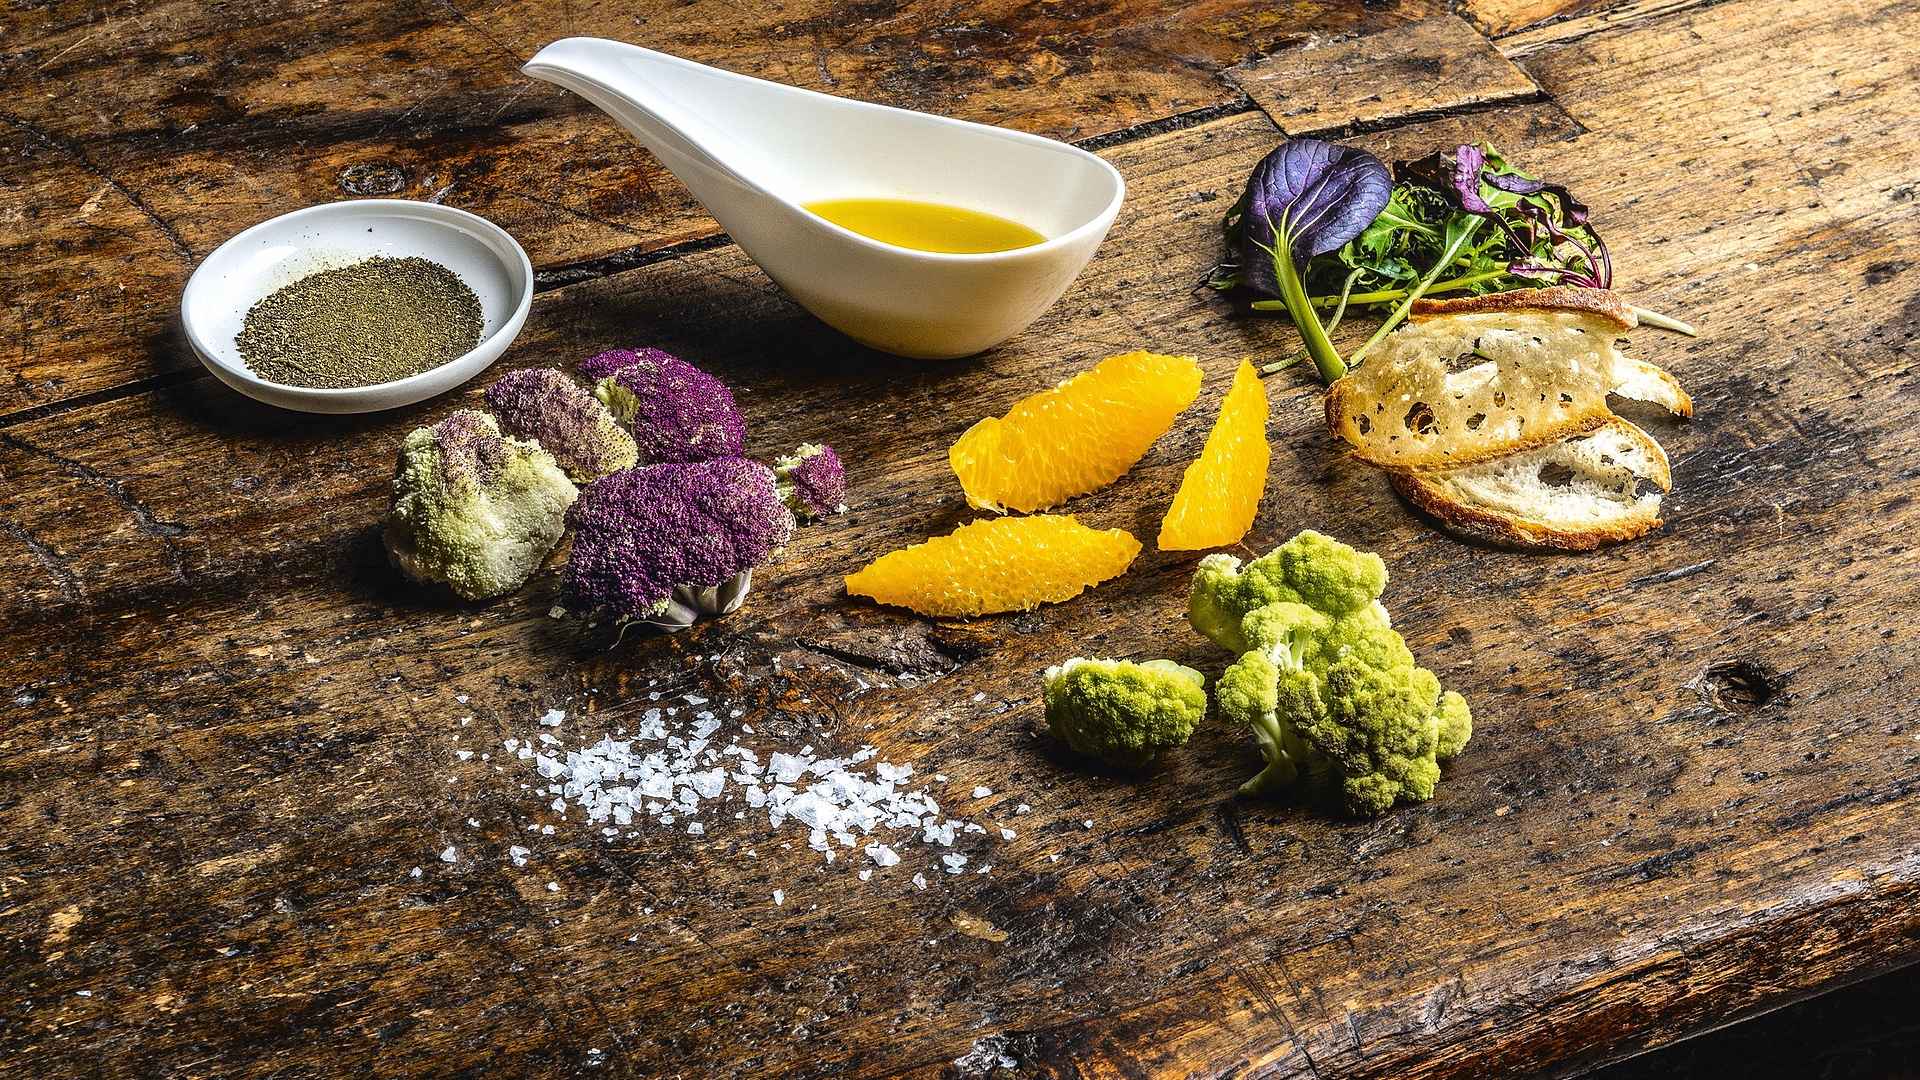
[218, 778]
[1428, 67]
[205, 119]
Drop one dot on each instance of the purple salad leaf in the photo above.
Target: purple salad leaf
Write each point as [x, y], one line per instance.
[1311, 196]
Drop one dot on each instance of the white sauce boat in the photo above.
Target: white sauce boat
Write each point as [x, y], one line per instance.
[754, 152]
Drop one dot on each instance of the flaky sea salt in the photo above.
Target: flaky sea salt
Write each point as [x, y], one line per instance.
[449, 855]
[678, 768]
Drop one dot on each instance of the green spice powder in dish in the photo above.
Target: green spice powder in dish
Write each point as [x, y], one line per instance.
[373, 322]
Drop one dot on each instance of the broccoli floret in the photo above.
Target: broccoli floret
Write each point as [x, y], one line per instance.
[1324, 681]
[811, 481]
[545, 406]
[474, 509]
[599, 367]
[1123, 712]
[671, 543]
[1310, 569]
[677, 411]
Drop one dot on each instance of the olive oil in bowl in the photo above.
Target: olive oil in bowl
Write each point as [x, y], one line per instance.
[925, 226]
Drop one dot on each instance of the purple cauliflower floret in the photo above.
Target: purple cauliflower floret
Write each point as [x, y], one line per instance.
[544, 405]
[669, 543]
[615, 359]
[677, 411]
[811, 481]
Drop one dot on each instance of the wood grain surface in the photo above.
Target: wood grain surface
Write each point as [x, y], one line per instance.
[229, 727]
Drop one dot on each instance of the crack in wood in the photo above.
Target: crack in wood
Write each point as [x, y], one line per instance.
[145, 521]
[179, 246]
[50, 560]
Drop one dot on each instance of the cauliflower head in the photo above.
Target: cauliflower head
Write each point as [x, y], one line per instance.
[677, 412]
[473, 508]
[1323, 680]
[812, 482]
[670, 543]
[545, 406]
[1122, 712]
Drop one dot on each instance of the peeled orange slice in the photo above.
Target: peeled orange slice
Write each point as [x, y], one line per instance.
[1221, 491]
[1076, 438]
[1001, 564]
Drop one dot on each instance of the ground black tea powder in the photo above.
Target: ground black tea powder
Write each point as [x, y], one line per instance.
[372, 322]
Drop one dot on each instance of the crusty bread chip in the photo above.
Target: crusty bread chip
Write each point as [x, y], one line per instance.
[1641, 381]
[1483, 377]
[1573, 495]
[1604, 303]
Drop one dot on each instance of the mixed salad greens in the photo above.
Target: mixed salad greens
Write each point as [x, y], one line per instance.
[1323, 226]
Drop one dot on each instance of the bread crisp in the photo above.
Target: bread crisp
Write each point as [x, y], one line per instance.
[1573, 495]
[1484, 377]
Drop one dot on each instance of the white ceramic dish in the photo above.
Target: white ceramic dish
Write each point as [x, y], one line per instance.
[256, 263]
[755, 151]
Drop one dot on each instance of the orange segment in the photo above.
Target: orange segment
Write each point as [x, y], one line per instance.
[1076, 438]
[1001, 564]
[1221, 491]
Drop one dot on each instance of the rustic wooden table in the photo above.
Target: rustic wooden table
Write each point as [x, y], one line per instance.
[229, 734]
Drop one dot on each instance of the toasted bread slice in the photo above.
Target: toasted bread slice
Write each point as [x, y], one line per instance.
[1600, 303]
[1574, 495]
[1484, 377]
[1641, 381]
[1636, 379]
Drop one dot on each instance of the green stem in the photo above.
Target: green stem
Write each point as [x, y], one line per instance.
[1294, 293]
[1465, 230]
[1345, 288]
[1661, 322]
[1389, 295]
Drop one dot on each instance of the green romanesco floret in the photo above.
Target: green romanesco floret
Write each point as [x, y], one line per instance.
[1324, 681]
[1310, 569]
[1123, 712]
[474, 509]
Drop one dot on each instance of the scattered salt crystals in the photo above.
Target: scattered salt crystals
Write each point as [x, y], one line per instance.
[518, 854]
[449, 855]
[678, 766]
[553, 886]
[475, 822]
[1022, 808]
[463, 754]
[1053, 858]
[552, 717]
[987, 869]
[1006, 834]
[779, 897]
[461, 698]
[415, 873]
[1088, 823]
[83, 993]
[464, 721]
[981, 696]
[940, 777]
